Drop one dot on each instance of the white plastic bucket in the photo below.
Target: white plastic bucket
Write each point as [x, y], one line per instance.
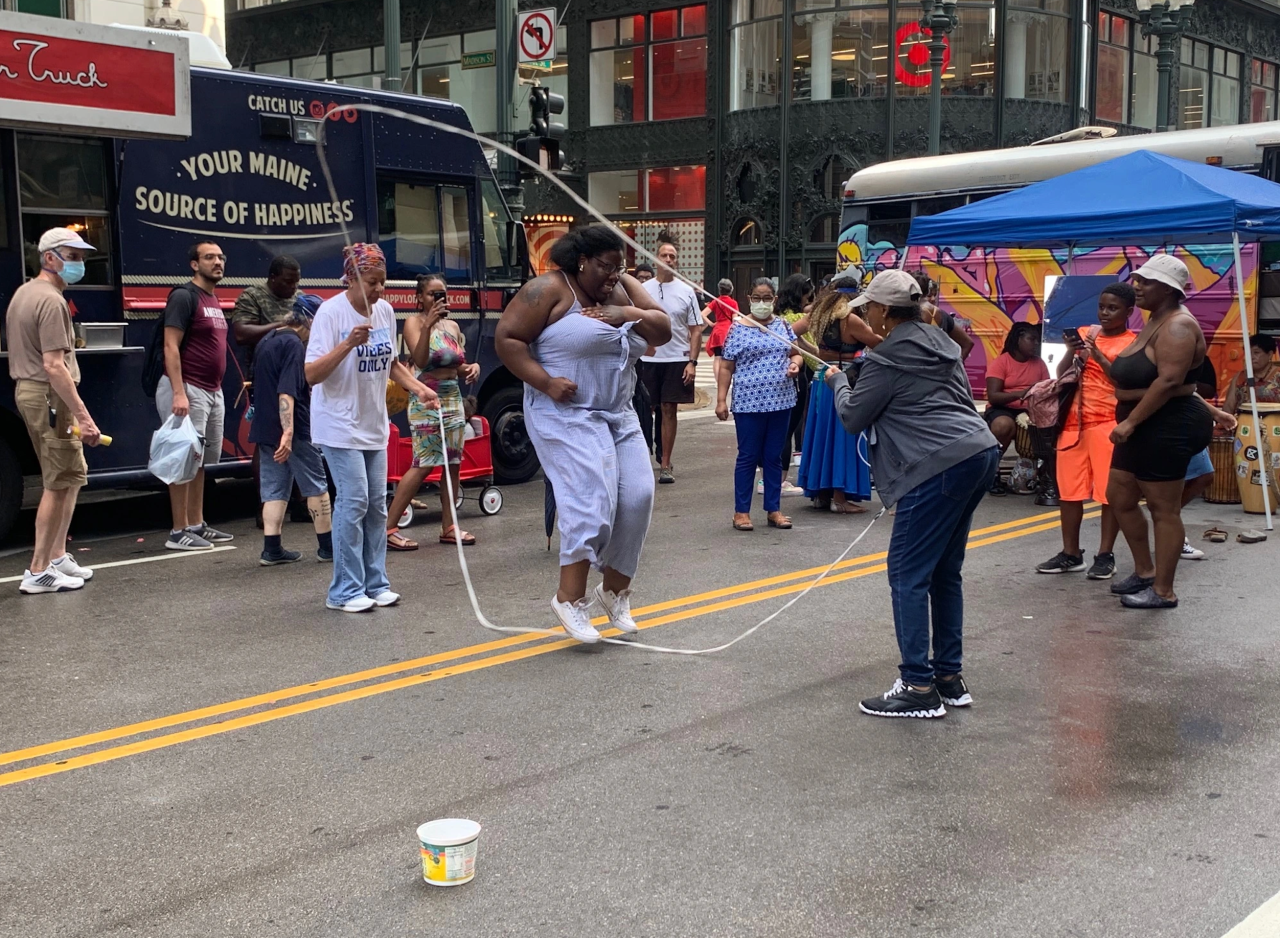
[448, 851]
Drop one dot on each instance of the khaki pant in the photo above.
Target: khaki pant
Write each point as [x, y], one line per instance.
[61, 455]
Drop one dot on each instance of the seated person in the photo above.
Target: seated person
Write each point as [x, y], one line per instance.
[474, 427]
[1266, 374]
[1009, 378]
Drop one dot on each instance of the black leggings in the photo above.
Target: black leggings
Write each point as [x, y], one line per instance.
[795, 426]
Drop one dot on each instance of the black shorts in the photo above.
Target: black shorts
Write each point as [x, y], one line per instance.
[1161, 447]
[992, 412]
[665, 382]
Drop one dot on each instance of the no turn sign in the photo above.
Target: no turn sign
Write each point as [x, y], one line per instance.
[536, 35]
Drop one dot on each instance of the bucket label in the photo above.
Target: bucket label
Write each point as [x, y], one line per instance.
[448, 864]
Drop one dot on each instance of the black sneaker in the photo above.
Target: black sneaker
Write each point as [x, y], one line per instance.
[998, 487]
[1104, 567]
[268, 559]
[953, 690]
[902, 701]
[1063, 563]
[324, 556]
[1132, 584]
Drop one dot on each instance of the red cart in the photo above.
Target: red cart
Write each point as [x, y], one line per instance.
[477, 469]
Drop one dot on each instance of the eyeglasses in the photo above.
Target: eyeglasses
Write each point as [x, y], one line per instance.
[609, 269]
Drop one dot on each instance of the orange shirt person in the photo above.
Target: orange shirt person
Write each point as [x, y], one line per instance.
[1084, 446]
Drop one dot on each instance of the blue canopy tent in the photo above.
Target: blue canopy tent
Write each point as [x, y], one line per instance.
[1139, 198]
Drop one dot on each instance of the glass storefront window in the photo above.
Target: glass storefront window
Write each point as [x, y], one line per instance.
[755, 60]
[1193, 84]
[1262, 91]
[970, 67]
[663, 79]
[1209, 92]
[666, 189]
[1113, 74]
[1225, 108]
[840, 53]
[1146, 77]
[1038, 59]
[616, 191]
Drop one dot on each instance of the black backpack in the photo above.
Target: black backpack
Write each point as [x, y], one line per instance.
[153, 364]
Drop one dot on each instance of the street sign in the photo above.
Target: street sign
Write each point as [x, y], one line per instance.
[546, 64]
[536, 36]
[479, 59]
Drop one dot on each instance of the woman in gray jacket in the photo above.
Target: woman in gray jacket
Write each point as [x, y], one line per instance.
[932, 456]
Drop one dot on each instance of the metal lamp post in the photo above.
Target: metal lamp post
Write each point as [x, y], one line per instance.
[1166, 20]
[939, 18]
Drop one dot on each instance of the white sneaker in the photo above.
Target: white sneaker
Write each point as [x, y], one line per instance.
[359, 604]
[789, 489]
[1191, 553]
[68, 567]
[576, 619]
[50, 581]
[386, 598]
[617, 606]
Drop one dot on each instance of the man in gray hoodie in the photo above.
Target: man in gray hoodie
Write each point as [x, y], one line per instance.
[932, 456]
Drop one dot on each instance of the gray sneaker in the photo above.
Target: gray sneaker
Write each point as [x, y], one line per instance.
[186, 539]
[665, 477]
[212, 535]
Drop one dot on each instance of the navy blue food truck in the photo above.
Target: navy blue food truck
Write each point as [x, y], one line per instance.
[249, 176]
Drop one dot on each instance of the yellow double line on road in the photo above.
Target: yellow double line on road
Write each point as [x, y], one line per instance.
[485, 655]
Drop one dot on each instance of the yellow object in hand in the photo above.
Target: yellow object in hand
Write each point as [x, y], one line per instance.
[103, 439]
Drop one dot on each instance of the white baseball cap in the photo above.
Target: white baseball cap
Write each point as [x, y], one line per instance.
[56, 238]
[889, 288]
[1166, 269]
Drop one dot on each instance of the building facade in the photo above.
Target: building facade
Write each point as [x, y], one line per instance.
[736, 123]
[198, 16]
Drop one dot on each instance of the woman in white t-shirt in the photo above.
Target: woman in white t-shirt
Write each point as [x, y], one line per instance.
[349, 423]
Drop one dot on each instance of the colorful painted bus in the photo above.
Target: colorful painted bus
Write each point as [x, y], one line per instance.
[989, 289]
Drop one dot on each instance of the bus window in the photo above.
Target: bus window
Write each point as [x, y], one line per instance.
[456, 225]
[424, 228]
[888, 221]
[937, 206]
[63, 183]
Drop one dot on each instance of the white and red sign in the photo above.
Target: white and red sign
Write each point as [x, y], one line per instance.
[911, 45]
[93, 79]
[536, 35]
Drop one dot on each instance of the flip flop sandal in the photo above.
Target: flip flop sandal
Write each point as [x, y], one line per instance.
[397, 541]
[451, 537]
[1148, 599]
[782, 522]
[1216, 535]
[1251, 537]
[743, 526]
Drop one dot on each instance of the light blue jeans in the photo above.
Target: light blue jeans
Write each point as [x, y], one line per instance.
[359, 523]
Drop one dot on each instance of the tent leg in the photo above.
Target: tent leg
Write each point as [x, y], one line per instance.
[1248, 370]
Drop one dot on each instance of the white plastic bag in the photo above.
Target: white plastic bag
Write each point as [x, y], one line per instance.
[176, 451]
[1022, 480]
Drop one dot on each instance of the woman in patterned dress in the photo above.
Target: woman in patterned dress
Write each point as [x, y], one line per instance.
[761, 369]
[438, 350]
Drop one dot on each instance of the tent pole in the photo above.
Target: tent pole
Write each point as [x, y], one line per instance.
[1266, 471]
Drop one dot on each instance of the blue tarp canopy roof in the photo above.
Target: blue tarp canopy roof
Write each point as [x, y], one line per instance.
[1141, 198]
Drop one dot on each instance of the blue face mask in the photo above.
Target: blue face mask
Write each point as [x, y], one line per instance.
[72, 272]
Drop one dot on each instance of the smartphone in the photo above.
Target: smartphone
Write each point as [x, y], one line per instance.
[1071, 333]
[437, 295]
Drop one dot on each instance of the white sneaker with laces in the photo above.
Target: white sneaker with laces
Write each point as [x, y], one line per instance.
[359, 604]
[49, 581]
[617, 606]
[1191, 553]
[576, 619]
[68, 567]
[386, 598]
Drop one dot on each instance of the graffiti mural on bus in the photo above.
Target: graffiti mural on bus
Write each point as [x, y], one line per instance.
[989, 289]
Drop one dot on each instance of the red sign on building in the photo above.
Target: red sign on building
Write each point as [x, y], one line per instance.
[93, 79]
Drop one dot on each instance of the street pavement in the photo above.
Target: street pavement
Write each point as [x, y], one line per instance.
[193, 746]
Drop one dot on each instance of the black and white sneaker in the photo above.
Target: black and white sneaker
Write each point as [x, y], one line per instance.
[186, 540]
[901, 701]
[1063, 563]
[953, 690]
[212, 535]
[1104, 567]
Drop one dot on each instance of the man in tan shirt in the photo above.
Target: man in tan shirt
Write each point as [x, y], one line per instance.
[42, 362]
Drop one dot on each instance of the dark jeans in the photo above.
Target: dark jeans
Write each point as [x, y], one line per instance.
[759, 444]
[926, 552]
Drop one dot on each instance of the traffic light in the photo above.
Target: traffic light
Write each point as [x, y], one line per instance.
[544, 134]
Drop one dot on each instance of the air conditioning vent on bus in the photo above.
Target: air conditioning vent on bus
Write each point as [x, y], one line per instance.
[1080, 133]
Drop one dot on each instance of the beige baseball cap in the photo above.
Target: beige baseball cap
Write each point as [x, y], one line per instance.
[1166, 269]
[889, 288]
[56, 238]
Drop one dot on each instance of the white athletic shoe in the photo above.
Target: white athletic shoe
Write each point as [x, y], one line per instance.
[617, 606]
[50, 581]
[1191, 553]
[359, 604]
[576, 619]
[68, 567]
[387, 598]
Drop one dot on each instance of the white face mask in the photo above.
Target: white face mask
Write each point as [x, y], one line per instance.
[761, 310]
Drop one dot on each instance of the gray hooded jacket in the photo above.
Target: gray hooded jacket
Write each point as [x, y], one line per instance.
[913, 394]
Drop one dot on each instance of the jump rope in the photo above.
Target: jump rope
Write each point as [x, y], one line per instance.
[448, 477]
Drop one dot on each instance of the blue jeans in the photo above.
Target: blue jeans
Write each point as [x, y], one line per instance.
[761, 438]
[359, 523]
[926, 552]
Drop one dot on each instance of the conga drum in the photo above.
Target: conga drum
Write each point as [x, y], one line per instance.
[1223, 490]
[1251, 454]
[1022, 442]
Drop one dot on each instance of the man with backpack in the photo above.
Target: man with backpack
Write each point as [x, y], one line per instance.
[195, 360]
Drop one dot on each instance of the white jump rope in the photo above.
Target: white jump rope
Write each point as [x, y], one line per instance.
[448, 477]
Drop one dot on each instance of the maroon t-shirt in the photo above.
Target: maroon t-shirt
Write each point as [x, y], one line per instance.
[204, 350]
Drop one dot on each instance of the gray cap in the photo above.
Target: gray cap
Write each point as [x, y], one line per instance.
[890, 288]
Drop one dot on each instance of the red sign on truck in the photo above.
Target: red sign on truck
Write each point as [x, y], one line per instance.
[93, 78]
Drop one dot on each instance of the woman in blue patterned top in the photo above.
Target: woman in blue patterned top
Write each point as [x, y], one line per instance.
[762, 370]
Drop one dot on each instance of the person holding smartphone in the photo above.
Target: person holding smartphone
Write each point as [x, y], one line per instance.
[1084, 446]
[438, 351]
